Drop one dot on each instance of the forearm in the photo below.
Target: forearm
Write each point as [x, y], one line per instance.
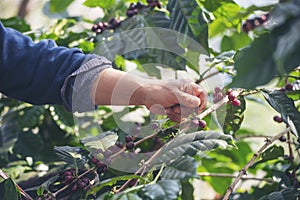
[114, 87]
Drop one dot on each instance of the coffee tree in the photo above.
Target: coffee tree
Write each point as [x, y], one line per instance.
[48, 153]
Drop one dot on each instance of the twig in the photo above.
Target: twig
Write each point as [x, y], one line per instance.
[250, 163]
[67, 185]
[241, 137]
[234, 176]
[4, 176]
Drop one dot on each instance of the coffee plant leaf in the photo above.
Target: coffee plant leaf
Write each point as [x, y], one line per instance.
[249, 67]
[101, 141]
[289, 193]
[9, 130]
[30, 116]
[111, 182]
[71, 155]
[163, 190]
[271, 153]
[187, 190]
[57, 6]
[8, 190]
[99, 3]
[123, 196]
[181, 169]
[215, 4]
[188, 18]
[234, 116]
[201, 141]
[286, 107]
[143, 38]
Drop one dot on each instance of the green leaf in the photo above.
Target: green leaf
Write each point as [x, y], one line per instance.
[99, 3]
[187, 191]
[255, 63]
[102, 141]
[234, 116]
[125, 196]
[201, 141]
[182, 169]
[286, 107]
[271, 153]
[188, 18]
[212, 5]
[71, 155]
[57, 6]
[16, 23]
[8, 190]
[111, 182]
[163, 190]
[289, 193]
[143, 38]
[235, 41]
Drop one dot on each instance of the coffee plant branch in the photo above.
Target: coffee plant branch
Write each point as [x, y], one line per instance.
[250, 163]
[233, 176]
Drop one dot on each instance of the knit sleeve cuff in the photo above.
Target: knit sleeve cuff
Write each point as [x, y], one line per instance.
[77, 87]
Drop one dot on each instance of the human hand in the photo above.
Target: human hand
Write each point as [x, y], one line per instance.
[175, 98]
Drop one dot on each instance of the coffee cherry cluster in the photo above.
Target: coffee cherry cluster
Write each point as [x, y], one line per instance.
[101, 166]
[102, 26]
[217, 95]
[199, 123]
[133, 9]
[232, 98]
[250, 24]
[129, 142]
[81, 184]
[69, 176]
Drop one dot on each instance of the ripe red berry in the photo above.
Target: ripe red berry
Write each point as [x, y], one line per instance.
[128, 138]
[202, 124]
[277, 119]
[236, 102]
[231, 96]
[94, 160]
[289, 87]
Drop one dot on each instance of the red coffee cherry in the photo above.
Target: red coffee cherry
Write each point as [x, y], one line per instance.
[277, 119]
[236, 102]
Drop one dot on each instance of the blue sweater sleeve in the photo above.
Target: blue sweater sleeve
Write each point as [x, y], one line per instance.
[35, 72]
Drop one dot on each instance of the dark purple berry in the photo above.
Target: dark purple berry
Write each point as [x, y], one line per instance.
[130, 145]
[94, 27]
[277, 119]
[69, 179]
[119, 144]
[86, 181]
[202, 124]
[289, 87]
[68, 173]
[236, 102]
[282, 139]
[74, 187]
[128, 138]
[81, 185]
[100, 164]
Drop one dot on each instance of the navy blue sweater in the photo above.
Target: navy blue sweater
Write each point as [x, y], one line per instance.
[36, 72]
